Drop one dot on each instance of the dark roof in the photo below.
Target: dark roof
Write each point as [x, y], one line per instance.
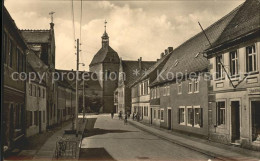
[10, 23]
[91, 79]
[246, 20]
[36, 63]
[158, 65]
[185, 58]
[130, 66]
[104, 54]
[36, 36]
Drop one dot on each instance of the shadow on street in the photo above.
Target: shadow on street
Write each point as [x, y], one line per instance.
[98, 131]
[95, 154]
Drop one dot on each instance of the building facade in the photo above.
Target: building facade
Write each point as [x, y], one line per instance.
[36, 112]
[129, 72]
[42, 43]
[235, 87]
[180, 92]
[141, 95]
[106, 64]
[14, 60]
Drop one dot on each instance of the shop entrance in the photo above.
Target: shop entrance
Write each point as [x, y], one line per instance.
[255, 112]
[235, 120]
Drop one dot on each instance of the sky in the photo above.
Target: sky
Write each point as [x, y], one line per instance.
[135, 28]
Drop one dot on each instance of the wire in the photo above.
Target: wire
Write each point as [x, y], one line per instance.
[73, 23]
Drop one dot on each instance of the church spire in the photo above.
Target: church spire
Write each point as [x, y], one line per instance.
[105, 38]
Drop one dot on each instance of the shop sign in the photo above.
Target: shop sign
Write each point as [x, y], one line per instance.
[253, 91]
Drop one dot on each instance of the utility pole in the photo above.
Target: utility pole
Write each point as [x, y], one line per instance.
[77, 96]
[84, 112]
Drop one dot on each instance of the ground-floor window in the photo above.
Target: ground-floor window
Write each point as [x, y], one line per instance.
[35, 115]
[221, 113]
[29, 118]
[159, 114]
[154, 114]
[198, 115]
[145, 110]
[162, 111]
[182, 119]
[191, 116]
[43, 116]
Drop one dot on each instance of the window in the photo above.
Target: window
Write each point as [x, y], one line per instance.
[145, 110]
[151, 94]
[162, 119]
[5, 47]
[18, 118]
[35, 118]
[221, 113]
[19, 60]
[198, 115]
[196, 86]
[182, 119]
[29, 118]
[167, 90]
[251, 58]
[34, 91]
[154, 114]
[180, 88]
[43, 93]
[190, 87]
[108, 73]
[190, 116]
[219, 70]
[30, 89]
[10, 53]
[159, 114]
[158, 92]
[233, 63]
[39, 92]
[43, 116]
[164, 91]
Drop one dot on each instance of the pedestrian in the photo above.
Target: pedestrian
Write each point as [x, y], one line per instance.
[112, 114]
[125, 121]
[120, 115]
[134, 116]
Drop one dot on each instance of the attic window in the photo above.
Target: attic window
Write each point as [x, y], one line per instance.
[176, 63]
[197, 54]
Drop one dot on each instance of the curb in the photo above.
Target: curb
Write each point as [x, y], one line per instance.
[205, 152]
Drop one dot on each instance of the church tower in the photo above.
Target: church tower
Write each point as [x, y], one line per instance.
[106, 64]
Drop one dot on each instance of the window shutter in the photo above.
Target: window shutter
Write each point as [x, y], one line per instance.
[214, 113]
[201, 117]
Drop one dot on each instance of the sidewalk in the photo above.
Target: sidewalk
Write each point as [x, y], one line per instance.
[217, 150]
[45, 151]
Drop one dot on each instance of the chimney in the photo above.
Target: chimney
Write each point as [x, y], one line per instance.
[170, 49]
[166, 51]
[140, 63]
[162, 55]
[52, 25]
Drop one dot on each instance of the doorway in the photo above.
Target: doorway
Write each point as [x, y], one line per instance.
[235, 121]
[255, 112]
[151, 114]
[169, 119]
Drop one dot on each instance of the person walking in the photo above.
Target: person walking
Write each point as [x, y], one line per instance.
[125, 121]
[112, 114]
[120, 115]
